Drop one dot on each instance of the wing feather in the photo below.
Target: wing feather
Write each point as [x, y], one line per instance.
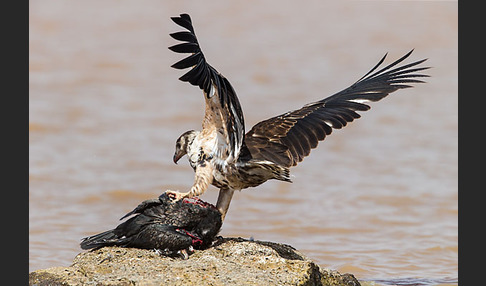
[300, 130]
[301, 139]
[317, 128]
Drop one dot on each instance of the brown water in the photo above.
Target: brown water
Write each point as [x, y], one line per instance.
[377, 199]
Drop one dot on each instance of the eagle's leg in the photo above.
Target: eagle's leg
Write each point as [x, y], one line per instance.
[201, 182]
[224, 200]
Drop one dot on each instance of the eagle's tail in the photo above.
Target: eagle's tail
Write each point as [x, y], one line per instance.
[256, 172]
[107, 238]
[281, 173]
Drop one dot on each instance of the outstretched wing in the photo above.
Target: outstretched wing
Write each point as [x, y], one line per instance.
[222, 104]
[288, 138]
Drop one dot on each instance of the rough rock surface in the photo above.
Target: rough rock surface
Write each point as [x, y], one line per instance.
[231, 261]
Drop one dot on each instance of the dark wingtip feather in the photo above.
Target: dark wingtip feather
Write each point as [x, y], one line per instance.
[184, 20]
[190, 61]
[375, 67]
[184, 36]
[185, 48]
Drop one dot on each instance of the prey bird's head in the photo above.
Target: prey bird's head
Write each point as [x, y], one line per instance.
[183, 144]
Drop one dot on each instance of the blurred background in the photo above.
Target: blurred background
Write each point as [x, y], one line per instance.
[377, 199]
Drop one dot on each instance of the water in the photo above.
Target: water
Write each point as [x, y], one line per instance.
[377, 199]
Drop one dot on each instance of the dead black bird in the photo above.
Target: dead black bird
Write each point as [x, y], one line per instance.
[164, 225]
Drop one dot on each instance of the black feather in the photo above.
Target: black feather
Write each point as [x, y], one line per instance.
[185, 48]
[184, 36]
[187, 62]
[184, 20]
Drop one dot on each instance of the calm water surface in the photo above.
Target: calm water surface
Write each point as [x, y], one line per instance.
[377, 199]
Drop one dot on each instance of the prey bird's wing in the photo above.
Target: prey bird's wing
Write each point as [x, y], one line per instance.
[223, 110]
[288, 138]
[143, 206]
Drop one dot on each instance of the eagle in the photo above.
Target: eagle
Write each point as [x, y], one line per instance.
[223, 155]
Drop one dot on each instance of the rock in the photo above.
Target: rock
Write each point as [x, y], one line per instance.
[230, 261]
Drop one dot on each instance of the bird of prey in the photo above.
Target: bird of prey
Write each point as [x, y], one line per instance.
[222, 154]
[162, 224]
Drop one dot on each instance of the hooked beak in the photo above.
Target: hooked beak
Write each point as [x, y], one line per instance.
[177, 156]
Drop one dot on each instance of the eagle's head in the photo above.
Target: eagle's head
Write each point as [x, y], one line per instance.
[183, 144]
